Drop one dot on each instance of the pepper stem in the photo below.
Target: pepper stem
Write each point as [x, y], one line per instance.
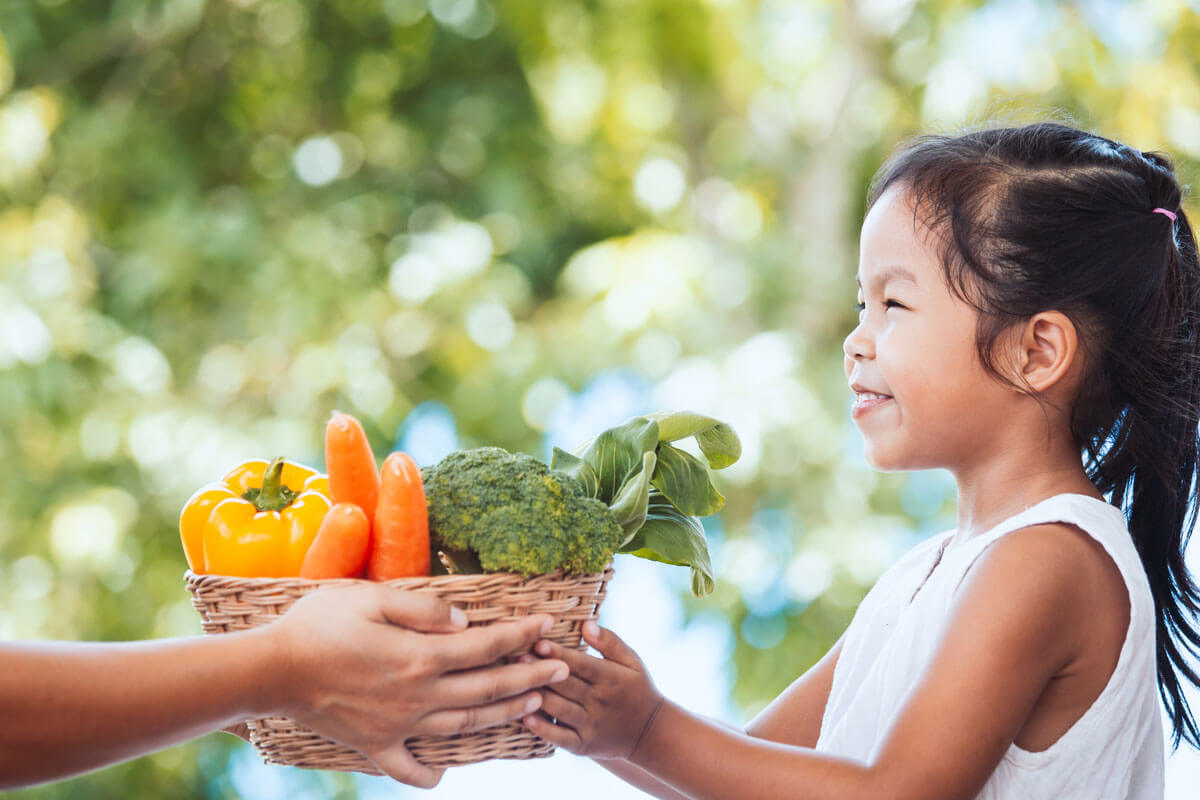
[273, 496]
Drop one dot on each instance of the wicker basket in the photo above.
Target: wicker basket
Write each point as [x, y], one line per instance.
[232, 604]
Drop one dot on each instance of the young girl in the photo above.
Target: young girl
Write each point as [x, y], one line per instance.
[1030, 321]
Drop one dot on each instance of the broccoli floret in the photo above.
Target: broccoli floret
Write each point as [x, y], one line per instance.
[515, 514]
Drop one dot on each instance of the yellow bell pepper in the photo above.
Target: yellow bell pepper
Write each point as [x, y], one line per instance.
[257, 522]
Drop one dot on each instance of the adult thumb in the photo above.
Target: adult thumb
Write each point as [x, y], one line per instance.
[419, 611]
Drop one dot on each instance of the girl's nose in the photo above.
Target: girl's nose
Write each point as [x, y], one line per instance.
[858, 344]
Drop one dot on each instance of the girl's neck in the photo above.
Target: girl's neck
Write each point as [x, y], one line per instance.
[985, 504]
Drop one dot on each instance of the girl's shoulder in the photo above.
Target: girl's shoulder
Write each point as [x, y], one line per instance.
[1064, 555]
[1080, 540]
[1082, 581]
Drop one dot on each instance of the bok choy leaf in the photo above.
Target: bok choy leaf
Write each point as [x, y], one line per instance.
[657, 491]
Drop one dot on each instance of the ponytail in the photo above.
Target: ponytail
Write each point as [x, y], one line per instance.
[1153, 472]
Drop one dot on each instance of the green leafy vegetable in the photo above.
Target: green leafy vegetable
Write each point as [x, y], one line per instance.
[683, 479]
[717, 440]
[629, 490]
[672, 537]
[658, 491]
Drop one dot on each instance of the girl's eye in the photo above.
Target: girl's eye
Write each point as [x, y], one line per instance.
[886, 303]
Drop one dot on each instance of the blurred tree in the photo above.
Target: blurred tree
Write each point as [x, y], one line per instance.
[220, 220]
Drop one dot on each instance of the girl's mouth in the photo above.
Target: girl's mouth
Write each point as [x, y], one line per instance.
[865, 403]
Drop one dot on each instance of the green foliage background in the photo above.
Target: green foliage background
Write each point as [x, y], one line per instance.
[222, 219]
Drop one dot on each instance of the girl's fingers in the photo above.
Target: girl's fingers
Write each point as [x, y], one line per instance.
[554, 734]
[581, 664]
[572, 689]
[566, 712]
[489, 685]
[610, 645]
[463, 720]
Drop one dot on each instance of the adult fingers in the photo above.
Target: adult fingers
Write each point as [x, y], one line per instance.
[478, 647]
[564, 711]
[482, 686]
[581, 664]
[398, 763]
[462, 720]
[609, 645]
[418, 611]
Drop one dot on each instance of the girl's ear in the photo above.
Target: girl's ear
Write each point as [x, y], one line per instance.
[1048, 351]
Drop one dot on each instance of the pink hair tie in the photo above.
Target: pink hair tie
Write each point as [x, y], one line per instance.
[1165, 213]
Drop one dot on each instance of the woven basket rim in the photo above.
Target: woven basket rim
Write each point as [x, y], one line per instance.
[481, 577]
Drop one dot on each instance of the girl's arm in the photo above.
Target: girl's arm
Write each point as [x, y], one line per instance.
[1015, 624]
[636, 776]
[366, 666]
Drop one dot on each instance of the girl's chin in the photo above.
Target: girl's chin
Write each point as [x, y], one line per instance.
[880, 459]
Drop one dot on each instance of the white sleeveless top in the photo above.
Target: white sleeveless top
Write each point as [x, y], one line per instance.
[1115, 750]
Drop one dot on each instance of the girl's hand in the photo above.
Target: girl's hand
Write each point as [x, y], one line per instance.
[371, 666]
[606, 705]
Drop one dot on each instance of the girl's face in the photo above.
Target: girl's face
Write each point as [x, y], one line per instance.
[915, 342]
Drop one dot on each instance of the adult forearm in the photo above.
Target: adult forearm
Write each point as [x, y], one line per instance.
[73, 707]
[677, 749]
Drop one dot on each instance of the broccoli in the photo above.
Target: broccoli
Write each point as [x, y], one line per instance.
[514, 514]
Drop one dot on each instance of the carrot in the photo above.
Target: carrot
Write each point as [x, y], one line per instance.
[353, 477]
[340, 547]
[400, 538]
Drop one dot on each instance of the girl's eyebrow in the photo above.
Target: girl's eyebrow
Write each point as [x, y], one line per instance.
[889, 274]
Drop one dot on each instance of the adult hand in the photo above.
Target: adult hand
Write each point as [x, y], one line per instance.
[371, 666]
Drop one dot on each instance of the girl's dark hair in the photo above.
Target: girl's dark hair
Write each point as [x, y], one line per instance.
[1046, 216]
